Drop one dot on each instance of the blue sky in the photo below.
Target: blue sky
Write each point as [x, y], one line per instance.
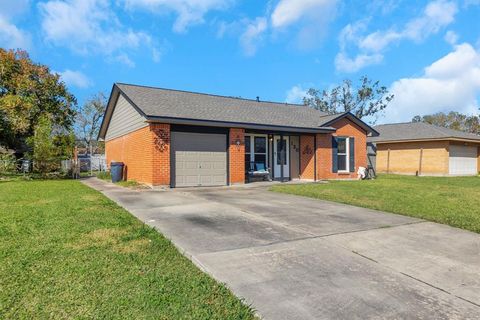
[426, 53]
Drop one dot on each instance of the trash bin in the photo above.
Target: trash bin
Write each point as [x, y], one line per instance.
[116, 171]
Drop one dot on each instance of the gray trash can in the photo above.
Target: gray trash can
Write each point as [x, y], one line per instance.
[116, 171]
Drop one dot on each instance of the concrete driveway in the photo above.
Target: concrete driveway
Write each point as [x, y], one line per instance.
[298, 258]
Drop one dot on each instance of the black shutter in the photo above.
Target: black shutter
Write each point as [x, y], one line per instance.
[334, 155]
[351, 142]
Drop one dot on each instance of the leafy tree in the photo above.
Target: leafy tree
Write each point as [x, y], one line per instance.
[452, 120]
[89, 119]
[365, 101]
[49, 146]
[27, 91]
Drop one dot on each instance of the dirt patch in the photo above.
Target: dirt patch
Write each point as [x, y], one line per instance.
[132, 246]
[112, 239]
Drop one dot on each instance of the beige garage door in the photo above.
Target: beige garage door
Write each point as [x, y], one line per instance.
[463, 160]
[200, 159]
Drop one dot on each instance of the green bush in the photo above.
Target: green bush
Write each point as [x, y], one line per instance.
[7, 163]
[104, 175]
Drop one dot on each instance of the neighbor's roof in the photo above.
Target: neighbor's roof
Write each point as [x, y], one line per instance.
[418, 131]
[158, 104]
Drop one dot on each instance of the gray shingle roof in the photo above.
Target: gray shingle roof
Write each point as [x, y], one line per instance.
[190, 108]
[418, 131]
[156, 102]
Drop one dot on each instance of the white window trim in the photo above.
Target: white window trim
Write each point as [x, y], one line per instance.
[252, 146]
[347, 155]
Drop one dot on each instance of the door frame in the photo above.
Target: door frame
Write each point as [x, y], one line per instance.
[281, 171]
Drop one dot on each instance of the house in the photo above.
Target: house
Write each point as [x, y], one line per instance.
[424, 149]
[178, 138]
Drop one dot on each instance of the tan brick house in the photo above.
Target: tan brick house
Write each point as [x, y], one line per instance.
[425, 149]
[178, 138]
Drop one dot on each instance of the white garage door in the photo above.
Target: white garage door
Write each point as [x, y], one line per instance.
[463, 160]
[200, 159]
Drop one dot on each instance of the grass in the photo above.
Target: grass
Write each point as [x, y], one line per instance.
[68, 252]
[449, 200]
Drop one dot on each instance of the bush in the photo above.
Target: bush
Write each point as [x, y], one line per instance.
[7, 163]
[104, 175]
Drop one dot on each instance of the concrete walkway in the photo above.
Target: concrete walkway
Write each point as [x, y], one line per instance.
[297, 258]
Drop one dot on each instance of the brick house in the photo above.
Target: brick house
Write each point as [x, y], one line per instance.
[177, 138]
[423, 149]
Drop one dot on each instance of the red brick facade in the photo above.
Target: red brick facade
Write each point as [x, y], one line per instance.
[237, 156]
[146, 153]
[307, 164]
[344, 128]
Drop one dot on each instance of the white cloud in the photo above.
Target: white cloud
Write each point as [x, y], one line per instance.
[450, 83]
[12, 37]
[310, 17]
[74, 78]
[451, 37]
[123, 58]
[189, 12]
[436, 15]
[252, 36]
[296, 94]
[345, 64]
[88, 26]
[288, 12]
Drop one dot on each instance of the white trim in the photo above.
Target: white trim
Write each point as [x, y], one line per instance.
[252, 147]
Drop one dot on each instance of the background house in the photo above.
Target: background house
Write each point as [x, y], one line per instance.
[179, 138]
[425, 149]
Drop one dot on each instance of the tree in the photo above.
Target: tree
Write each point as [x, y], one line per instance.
[48, 146]
[89, 119]
[27, 91]
[365, 101]
[452, 120]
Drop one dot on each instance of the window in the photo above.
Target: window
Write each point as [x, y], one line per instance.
[342, 154]
[281, 151]
[255, 151]
[260, 150]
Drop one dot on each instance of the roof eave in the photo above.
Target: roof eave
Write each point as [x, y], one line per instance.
[231, 124]
[426, 139]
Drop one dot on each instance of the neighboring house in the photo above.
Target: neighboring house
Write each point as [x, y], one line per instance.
[424, 149]
[178, 138]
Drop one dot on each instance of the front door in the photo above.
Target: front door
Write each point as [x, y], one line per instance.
[281, 157]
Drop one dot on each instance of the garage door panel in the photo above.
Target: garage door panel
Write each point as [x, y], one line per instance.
[463, 160]
[200, 159]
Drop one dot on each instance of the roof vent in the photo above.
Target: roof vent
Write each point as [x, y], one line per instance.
[258, 99]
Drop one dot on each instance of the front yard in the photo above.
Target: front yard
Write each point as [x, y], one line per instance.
[66, 251]
[454, 200]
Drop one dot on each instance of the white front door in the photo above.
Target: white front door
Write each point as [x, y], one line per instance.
[281, 156]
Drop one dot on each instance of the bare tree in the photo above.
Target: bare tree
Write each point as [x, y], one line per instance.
[366, 100]
[89, 119]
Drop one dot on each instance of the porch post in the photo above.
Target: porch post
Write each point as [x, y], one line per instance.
[283, 152]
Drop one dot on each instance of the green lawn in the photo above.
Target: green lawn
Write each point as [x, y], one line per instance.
[454, 200]
[68, 252]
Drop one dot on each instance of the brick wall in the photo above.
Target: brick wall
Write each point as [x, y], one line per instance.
[307, 149]
[237, 156]
[160, 153]
[404, 157]
[344, 128]
[145, 152]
